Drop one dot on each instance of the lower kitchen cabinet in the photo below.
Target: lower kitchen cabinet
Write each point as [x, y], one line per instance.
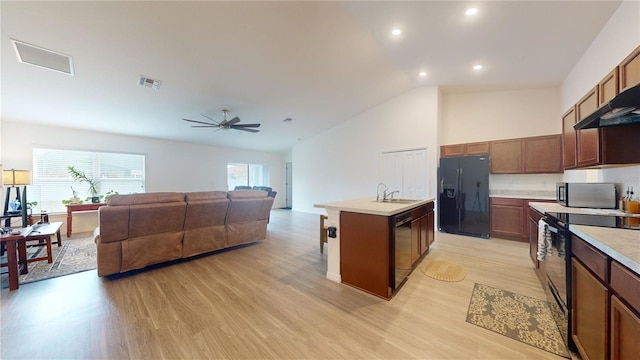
[625, 313]
[507, 218]
[625, 331]
[606, 305]
[590, 313]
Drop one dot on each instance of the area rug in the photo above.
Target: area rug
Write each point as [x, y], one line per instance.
[76, 254]
[516, 316]
[444, 270]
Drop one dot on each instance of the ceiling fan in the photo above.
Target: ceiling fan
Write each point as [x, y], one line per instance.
[225, 124]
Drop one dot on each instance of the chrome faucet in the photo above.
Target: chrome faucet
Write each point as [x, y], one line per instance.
[383, 193]
[389, 196]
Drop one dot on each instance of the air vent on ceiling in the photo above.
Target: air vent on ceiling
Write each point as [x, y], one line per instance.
[147, 82]
[35, 55]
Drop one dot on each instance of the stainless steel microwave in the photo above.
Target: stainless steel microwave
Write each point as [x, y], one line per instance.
[587, 195]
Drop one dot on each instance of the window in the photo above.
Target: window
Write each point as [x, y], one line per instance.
[247, 175]
[121, 173]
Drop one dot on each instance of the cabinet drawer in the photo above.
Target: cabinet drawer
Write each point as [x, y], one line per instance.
[626, 284]
[594, 260]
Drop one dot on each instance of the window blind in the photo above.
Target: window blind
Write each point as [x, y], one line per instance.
[115, 172]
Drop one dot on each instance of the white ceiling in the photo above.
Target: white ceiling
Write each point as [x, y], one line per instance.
[319, 63]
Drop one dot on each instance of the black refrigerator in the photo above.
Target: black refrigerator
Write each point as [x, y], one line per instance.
[463, 206]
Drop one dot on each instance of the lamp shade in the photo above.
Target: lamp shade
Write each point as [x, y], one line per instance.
[16, 177]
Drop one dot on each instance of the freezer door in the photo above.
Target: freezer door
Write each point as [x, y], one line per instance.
[448, 202]
[474, 195]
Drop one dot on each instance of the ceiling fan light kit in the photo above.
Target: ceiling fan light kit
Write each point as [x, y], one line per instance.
[225, 124]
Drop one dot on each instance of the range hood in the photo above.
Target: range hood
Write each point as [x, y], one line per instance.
[623, 109]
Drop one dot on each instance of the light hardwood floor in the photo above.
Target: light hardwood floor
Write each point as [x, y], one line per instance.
[268, 300]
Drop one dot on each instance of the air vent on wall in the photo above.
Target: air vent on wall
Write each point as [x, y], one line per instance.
[147, 82]
[41, 57]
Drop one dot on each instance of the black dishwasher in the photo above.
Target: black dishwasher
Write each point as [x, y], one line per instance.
[401, 248]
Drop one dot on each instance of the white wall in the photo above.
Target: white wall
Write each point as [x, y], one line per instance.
[170, 166]
[344, 162]
[617, 39]
[495, 115]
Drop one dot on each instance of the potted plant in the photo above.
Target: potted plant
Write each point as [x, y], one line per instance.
[81, 177]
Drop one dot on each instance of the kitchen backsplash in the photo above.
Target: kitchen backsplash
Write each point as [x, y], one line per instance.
[530, 186]
[628, 176]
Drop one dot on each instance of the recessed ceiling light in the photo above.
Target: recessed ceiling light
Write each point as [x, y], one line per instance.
[422, 73]
[471, 11]
[477, 67]
[396, 32]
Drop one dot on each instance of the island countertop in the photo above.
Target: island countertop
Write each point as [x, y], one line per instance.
[373, 207]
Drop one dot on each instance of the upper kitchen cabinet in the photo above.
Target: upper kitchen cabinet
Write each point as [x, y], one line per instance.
[506, 156]
[611, 145]
[531, 155]
[569, 157]
[608, 87]
[588, 140]
[543, 154]
[477, 148]
[629, 70]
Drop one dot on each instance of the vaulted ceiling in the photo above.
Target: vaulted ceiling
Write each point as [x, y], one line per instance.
[317, 63]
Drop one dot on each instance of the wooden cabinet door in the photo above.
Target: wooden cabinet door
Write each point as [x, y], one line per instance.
[608, 87]
[569, 154]
[588, 141]
[506, 156]
[424, 235]
[478, 148]
[590, 313]
[630, 70]
[625, 332]
[452, 150]
[431, 227]
[543, 154]
[415, 240]
[507, 217]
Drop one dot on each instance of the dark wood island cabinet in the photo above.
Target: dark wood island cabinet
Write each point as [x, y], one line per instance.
[368, 256]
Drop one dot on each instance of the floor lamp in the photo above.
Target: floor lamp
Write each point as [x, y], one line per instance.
[14, 179]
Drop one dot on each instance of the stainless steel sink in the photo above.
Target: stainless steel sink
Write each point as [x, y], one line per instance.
[397, 201]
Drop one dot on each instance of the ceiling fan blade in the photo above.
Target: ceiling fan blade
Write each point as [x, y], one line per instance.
[200, 122]
[243, 129]
[209, 118]
[205, 126]
[248, 125]
[233, 121]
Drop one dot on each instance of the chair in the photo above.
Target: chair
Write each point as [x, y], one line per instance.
[270, 192]
[242, 187]
[323, 232]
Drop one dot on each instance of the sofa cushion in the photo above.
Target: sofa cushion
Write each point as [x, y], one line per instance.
[114, 223]
[150, 219]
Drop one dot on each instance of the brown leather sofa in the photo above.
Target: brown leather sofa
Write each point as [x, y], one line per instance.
[139, 230]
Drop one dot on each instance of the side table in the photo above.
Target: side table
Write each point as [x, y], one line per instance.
[71, 208]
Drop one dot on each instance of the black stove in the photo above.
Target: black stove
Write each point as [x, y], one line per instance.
[610, 221]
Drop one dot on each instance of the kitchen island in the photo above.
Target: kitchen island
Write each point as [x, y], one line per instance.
[377, 244]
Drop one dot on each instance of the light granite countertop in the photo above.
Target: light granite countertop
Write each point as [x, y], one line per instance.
[371, 206]
[622, 245]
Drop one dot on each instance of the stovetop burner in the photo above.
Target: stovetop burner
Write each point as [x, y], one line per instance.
[620, 222]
